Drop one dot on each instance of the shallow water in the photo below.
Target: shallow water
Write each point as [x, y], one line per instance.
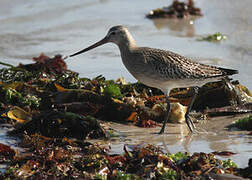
[8, 140]
[212, 136]
[29, 27]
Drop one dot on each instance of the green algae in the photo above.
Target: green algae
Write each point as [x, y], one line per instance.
[244, 123]
[216, 37]
[112, 90]
[229, 164]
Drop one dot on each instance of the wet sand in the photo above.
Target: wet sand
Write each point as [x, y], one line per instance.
[213, 136]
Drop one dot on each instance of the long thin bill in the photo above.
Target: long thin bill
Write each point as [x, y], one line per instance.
[99, 43]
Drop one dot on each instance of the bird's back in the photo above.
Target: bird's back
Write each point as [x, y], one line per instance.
[159, 68]
[171, 65]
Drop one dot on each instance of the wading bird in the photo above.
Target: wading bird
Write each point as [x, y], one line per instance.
[161, 69]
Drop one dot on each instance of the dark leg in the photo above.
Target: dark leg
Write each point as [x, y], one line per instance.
[166, 114]
[189, 122]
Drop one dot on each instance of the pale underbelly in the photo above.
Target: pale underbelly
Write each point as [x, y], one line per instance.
[168, 84]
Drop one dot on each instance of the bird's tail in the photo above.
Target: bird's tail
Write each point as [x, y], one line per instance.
[229, 71]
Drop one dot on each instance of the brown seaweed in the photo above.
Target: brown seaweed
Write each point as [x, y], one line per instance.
[176, 10]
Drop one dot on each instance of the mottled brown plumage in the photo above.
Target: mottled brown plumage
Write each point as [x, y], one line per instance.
[161, 69]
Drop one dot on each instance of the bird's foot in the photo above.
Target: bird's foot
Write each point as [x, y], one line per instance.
[190, 124]
[162, 130]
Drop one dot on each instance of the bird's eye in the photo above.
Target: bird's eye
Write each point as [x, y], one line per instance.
[113, 33]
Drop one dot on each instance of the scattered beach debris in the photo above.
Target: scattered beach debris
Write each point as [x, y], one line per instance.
[32, 91]
[176, 10]
[224, 153]
[62, 158]
[243, 123]
[55, 112]
[217, 37]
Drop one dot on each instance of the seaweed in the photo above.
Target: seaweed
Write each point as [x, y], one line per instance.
[64, 158]
[55, 113]
[175, 10]
[217, 37]
[38, 89]
[243, 123]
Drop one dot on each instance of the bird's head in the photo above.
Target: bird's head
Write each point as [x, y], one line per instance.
[117, 34]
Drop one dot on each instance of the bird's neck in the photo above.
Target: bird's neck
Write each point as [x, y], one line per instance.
[127, 44]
